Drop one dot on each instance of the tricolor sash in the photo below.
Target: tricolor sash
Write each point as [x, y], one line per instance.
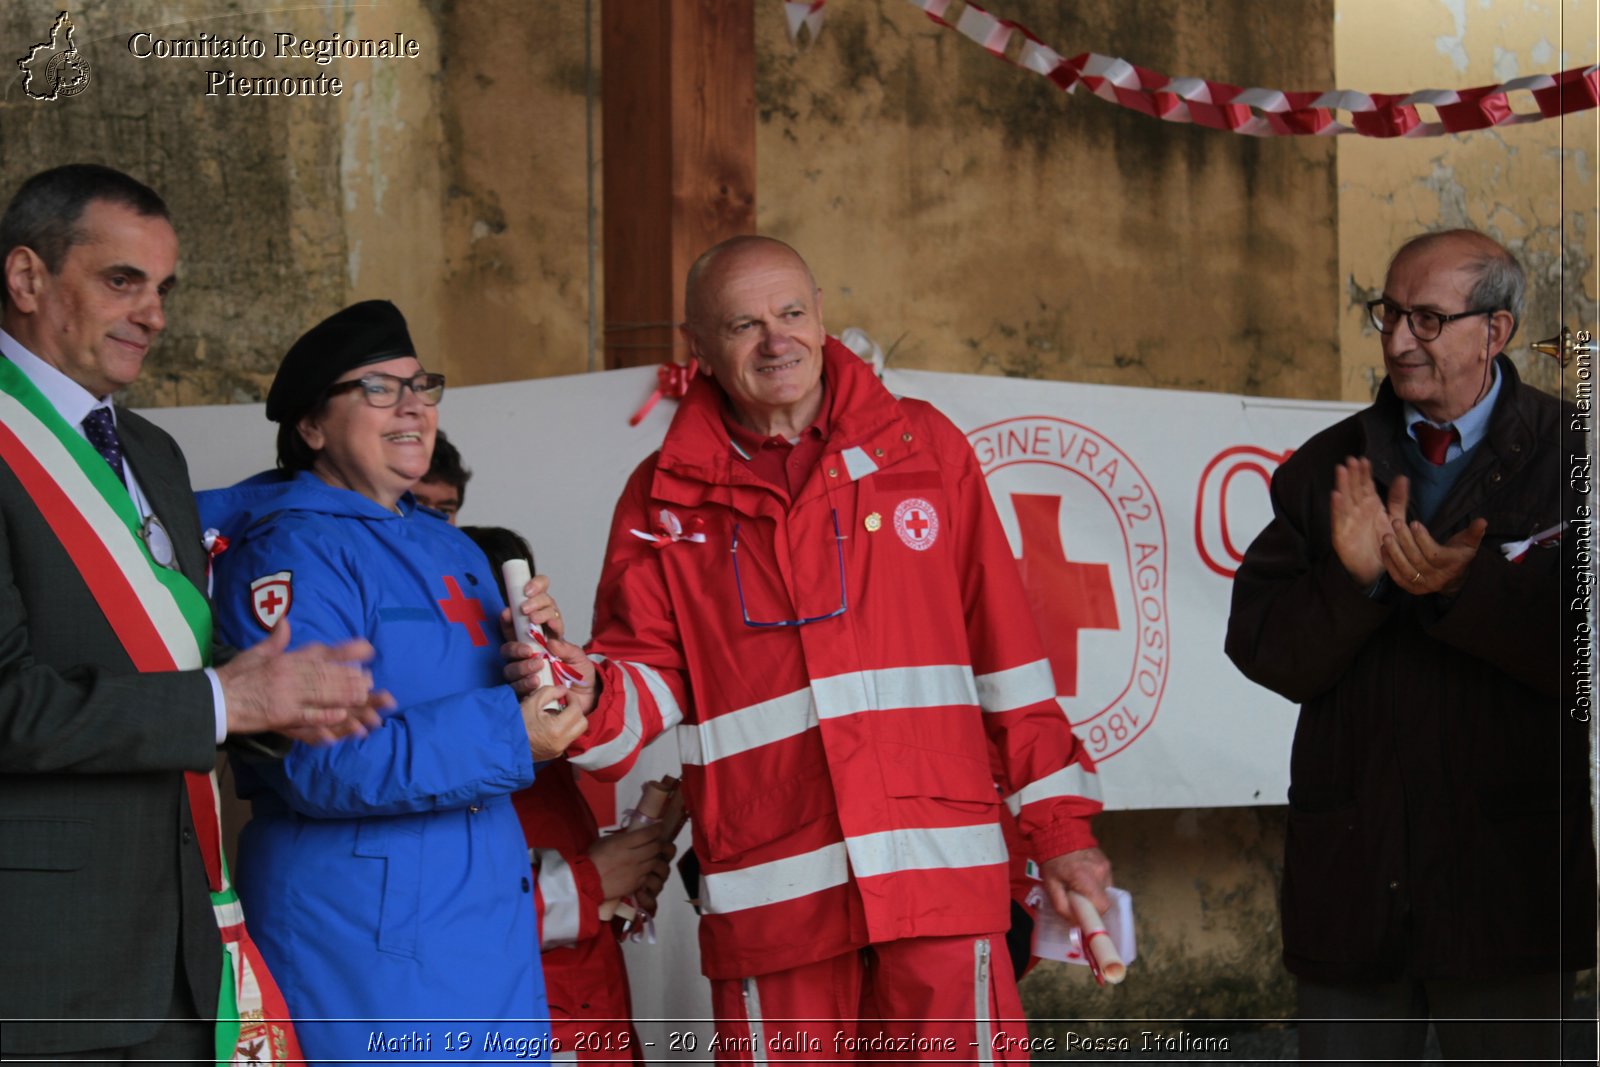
[164, 624]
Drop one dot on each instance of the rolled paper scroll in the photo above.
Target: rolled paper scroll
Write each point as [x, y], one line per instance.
[659, 805]
[1097, 943]
[516, 574]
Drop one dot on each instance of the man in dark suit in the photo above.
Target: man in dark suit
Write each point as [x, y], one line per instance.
[109, 939]
[1407, 593]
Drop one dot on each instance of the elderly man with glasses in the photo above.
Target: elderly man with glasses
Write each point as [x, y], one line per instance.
[1408, 595]
[810, 581]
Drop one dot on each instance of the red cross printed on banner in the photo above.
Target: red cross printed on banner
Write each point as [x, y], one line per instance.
[1067, 597]
[917, 523]
[468, 611]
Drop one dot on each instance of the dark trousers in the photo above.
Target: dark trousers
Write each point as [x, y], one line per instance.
[1515, 1018]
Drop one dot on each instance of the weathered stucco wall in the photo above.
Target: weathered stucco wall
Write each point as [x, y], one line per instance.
[452, 183]
[978, 219]
[1532, 187]
[249, 182]
[514, 282]
[1205, 887]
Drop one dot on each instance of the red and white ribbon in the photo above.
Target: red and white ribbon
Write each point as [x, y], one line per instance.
[670, 530]
[637, 926]
[1515, 550]
[564, 675]
[861, 343]
[806, 13]
[1259, 112]
[672, 379]
[1269, 112]
[215, 545]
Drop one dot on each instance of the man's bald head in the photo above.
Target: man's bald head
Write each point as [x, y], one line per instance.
[1450, 304]
[718, 262]
[1497, 279]
[754, 324]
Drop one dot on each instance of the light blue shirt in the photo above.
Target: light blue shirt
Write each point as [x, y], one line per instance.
[74, 403]
[1471, 426]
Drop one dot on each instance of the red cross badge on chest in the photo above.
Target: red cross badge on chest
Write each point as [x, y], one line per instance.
[917, 523]
[468, 611]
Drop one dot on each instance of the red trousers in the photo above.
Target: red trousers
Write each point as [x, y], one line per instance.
[930, 999]
[590, 1009]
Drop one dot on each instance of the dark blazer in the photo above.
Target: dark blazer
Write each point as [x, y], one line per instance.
[1438, 820]
[102, 887]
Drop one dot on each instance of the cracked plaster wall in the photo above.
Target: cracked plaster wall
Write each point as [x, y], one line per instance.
[452, 183]
[250, 182]
[1532, 187]
[977, 219]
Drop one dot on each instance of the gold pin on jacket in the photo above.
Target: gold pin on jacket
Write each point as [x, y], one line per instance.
[873, 522]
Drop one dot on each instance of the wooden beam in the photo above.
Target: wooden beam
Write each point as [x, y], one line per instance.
[679, 163]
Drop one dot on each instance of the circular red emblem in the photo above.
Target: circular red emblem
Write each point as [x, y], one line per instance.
[916, 522]
[1214, 523]
[1091, 543]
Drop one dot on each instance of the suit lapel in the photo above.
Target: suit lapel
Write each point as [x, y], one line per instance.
[166, 488]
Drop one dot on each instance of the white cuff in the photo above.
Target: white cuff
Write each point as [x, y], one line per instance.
[219, 705]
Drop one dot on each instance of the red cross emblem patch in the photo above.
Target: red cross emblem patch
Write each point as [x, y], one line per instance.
[917, 523]
[270, 596]
[468, 611]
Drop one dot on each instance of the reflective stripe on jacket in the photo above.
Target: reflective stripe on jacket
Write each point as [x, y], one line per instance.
[837, 773]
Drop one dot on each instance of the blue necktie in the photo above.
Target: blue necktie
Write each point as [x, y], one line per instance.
[101, 431]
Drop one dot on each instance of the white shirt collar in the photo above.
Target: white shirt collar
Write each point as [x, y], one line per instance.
[71, 400]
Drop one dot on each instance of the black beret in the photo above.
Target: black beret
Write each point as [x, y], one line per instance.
[369, 332]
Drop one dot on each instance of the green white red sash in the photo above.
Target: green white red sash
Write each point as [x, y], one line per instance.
[164, 624]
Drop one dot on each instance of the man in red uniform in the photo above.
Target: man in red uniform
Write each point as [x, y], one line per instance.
[810, 582]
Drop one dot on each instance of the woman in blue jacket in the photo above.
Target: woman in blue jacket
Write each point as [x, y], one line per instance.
[386, 878]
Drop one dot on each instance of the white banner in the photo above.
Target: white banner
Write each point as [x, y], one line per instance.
[1128, 509]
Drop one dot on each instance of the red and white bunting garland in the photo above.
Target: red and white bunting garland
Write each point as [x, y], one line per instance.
[807, 13]
[1265, 112]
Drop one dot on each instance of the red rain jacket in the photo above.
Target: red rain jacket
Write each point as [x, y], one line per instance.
[837, 773]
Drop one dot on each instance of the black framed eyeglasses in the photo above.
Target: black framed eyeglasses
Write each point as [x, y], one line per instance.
[838, 541]
[383, 390]
[1425, 325]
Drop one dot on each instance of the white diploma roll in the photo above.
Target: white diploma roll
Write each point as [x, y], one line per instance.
[1108, 937]
[516, 574]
